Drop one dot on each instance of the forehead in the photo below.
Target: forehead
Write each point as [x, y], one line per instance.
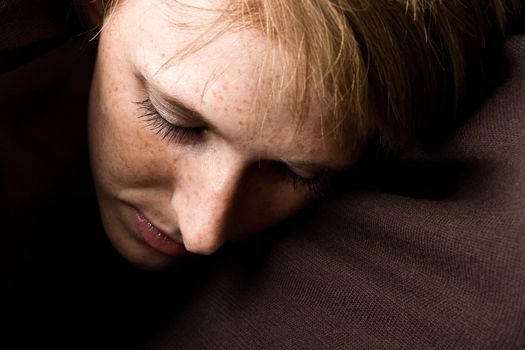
[222, 80]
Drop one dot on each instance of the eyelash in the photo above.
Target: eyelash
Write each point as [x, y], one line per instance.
[313, 187]
[179, 134]
[166, 130]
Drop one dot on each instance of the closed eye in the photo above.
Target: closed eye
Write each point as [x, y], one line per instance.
[312, 186]
[165, 129]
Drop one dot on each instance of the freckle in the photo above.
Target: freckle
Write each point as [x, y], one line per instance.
[226, 109]
[221, 98]
[225, 86]
[237, 109]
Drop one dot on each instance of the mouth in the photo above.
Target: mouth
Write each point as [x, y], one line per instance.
[157, 239]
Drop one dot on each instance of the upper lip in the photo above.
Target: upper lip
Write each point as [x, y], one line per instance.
[172, 236]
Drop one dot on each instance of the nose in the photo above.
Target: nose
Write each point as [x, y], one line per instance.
[204, 195]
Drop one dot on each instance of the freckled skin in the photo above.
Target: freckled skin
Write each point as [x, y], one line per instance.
[219, 189]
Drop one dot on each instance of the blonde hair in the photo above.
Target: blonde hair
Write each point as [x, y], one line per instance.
[382, 67]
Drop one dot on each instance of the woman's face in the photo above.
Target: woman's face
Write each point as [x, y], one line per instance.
[183, 162]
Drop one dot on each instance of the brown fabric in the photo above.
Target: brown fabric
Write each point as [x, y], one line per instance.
[395, 268]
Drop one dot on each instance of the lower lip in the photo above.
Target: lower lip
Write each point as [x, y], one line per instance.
[158, 239]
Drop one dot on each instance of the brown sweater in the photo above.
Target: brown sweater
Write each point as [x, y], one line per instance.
[431, 256]
[425, 251]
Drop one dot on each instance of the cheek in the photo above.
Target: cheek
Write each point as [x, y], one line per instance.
[265, 199]
[124, 152]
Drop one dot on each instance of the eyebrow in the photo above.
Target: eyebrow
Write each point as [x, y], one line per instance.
[173, 104]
